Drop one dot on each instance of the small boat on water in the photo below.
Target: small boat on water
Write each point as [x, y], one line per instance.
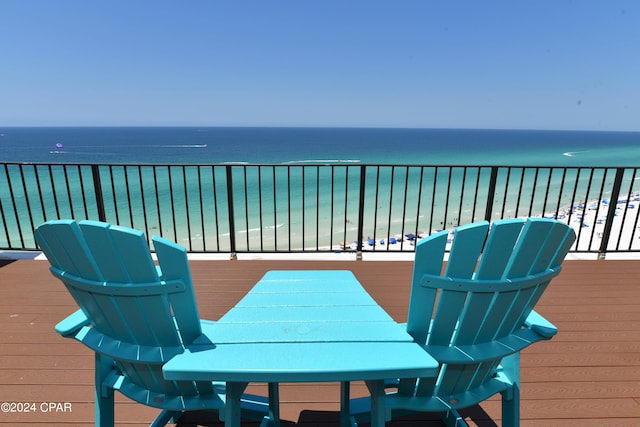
[57, 149]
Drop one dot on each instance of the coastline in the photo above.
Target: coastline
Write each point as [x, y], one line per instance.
[587, 220]
[422, 184]
[281, 218]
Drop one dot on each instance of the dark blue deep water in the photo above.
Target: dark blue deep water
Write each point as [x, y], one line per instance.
[191, 145]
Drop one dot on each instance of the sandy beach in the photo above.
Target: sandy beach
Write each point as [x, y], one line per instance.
[588, 220]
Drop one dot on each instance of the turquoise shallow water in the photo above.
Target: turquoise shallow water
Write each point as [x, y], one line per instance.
[332, 202]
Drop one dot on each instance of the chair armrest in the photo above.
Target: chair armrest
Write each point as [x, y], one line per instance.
[72, 324]
[540, 325]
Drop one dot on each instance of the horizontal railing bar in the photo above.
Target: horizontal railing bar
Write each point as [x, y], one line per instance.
[321, 164]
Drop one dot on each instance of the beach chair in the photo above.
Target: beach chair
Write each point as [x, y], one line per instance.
[476, 317]
[134, 315]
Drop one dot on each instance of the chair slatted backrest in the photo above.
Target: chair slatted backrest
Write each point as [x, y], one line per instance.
[140, 314]
[471, 315]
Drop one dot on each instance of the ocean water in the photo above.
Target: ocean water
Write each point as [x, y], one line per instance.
[288, 216]
[190, 145]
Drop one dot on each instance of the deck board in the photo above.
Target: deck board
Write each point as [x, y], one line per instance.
[588, 375]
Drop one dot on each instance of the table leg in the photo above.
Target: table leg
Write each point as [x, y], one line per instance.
[232, 405]
[345, 409]
[378, 412]
[274, 405]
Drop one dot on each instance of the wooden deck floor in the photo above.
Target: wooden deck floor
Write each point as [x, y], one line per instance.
[588, 375]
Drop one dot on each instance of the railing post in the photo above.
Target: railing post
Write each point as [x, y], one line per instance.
[491, 193]
[363, 175]
[97, 188]
[613, 201]
[232, 221]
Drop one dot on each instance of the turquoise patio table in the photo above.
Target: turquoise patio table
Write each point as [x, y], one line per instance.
[302, 326]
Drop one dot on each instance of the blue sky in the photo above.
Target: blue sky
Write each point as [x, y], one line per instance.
[543, 64]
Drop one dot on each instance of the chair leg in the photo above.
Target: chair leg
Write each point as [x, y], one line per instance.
[511, 397]
[511, 408]
[104, 394]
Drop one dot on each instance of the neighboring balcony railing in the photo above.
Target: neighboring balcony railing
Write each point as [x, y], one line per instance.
[238, 208]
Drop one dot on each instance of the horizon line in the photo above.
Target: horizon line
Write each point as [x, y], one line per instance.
[320, 127]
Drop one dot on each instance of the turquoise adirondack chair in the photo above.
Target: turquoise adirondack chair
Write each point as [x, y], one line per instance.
[134, 315]
[477, 316]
